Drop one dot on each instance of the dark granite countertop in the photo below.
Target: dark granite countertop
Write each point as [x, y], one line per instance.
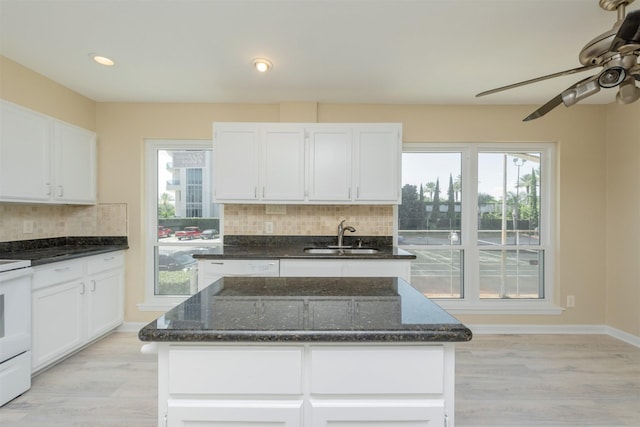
[292, 247]
[307, 309]
[46, 251]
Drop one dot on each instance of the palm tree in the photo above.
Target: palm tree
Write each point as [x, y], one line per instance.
[430, 187]
[457, 186]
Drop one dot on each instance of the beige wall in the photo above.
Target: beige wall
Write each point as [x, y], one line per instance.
[623, 218]
[583, 156]
[22, 86]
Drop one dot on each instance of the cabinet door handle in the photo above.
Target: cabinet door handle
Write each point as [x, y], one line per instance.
[255, 192]
[47, 189]
[93, 286]
[82, 288]
[61, 269]
[109, 259]
[60, 191]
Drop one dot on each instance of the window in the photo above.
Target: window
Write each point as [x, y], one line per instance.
[478, 219]
[181, 216]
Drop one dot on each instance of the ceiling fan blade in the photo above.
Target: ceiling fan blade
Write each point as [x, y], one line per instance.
[557, 100]
[628, 33]
[538, 79]
[569, 97]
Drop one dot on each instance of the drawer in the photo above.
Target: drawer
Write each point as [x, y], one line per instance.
[240, 267]
[377, 370]
[108, 261]
[58, 272]
[234, 371]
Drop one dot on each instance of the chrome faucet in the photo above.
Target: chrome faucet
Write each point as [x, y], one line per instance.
[341, 230]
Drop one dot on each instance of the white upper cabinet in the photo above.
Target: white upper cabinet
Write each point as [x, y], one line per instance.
[74, 162]
[282, 171]
[330, 163]
[44, 160]
[235, 151]
[377, 174]
[315, 163]
[25, 153]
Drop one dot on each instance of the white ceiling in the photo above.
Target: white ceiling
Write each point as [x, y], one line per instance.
[342, 51]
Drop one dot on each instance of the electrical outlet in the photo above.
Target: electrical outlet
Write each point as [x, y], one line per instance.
[27, 226]
[571, 301]
[268, 227]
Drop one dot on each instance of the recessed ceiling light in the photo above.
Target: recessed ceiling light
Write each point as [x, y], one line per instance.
[262, 65]
[102, 60]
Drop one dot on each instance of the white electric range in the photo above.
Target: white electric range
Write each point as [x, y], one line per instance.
[15, 328]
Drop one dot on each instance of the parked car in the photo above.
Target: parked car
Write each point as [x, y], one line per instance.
[209, 234]
[177, 261]
[189, 233]
[164, 232]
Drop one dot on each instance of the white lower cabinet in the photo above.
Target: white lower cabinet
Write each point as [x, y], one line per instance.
[408, 413]
[74, 302]
[194, 413]
[312, 385]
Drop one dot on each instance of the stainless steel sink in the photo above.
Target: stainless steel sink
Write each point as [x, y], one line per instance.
[340, 251]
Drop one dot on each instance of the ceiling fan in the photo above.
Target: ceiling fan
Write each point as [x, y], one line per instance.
[616, 51]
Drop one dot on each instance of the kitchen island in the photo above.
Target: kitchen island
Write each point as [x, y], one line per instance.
[300, 351]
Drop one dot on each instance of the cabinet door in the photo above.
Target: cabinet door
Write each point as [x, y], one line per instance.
[283, 163]
[25, 170]
[105, 302]
[235, 152]
[392, 413]
[57, 321]
[377, 167]
[330, 171]
[205, 413]
[74, 164]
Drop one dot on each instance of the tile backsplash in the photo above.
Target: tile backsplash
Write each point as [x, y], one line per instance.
[61, 221]
[301, 220]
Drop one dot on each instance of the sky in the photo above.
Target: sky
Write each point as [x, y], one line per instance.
[420, 168]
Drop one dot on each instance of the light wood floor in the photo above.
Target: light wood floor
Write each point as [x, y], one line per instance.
[501, 380]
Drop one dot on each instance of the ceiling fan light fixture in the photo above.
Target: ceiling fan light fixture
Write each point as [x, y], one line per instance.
[262, 65]
[628, 92]
[612, 77]
[581, 91]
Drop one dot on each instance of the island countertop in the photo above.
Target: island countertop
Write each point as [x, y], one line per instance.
[307, 309]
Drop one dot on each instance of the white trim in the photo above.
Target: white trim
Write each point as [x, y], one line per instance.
[160, 303]
[481, 329]
[623, 336]
[500, 307]
[131, 327]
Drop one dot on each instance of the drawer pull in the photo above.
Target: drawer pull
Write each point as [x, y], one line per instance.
[61, 269]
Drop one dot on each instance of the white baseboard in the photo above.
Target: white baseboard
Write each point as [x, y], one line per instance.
[555, 329]
[131, 327]
[623, 336]
[501, 330]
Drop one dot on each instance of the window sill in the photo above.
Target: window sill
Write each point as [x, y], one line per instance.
[500, 307]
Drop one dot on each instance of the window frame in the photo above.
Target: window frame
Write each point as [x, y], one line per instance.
[153, 302]
[471, 303]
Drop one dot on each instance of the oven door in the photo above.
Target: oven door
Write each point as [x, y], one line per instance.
[15, 312]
